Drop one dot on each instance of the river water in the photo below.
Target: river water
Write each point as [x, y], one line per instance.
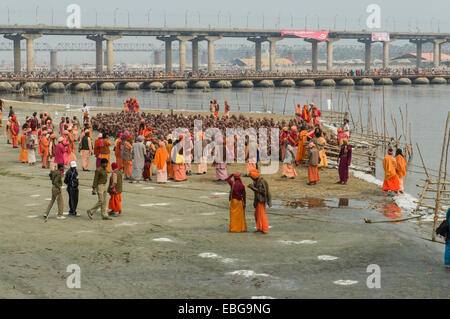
[427, 109]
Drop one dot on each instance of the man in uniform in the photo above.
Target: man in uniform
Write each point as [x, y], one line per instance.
[56, 178]
[99, 187]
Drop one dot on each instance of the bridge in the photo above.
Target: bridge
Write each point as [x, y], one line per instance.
[16, 33]
[149, 81]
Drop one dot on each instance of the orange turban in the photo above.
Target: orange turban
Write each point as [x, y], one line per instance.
[254, 173]
[294, 128]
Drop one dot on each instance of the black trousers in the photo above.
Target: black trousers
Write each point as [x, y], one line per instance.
[73, 200]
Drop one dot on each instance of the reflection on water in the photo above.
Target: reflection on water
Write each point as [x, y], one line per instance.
[392, 211]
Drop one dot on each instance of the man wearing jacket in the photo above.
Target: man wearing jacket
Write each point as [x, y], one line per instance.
[71, 180]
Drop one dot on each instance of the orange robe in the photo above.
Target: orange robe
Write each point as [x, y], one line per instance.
[401, 169]
[391, 181]
[24, 154]
[43, 149]
[117, 153]
[14, 134]
[104, 152]
[115, 203]
[262, 223]
[301, 150]
[237, 216]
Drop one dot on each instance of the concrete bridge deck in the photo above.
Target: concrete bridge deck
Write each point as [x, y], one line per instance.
[100, 34]
[59, 84]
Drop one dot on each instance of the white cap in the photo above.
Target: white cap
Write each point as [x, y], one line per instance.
[73, 164]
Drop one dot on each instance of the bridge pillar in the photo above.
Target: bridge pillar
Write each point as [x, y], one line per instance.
[98, 51]
[437, 52]
[386, 53]
[53, 61]
[195, 54]
[418, 43]
[110, 51]
[314, 53]
[330, 42]
[157, 57]
[272, 52]
[368, 53]
[211, 52]
[168, 49]
[182, 51]
[17, 53]
[30, 50]
[258, 41]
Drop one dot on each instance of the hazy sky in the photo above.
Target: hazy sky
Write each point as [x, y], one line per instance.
[426, 15]
[413, 12]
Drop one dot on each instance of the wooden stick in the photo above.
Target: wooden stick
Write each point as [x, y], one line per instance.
[368, 221]
[438, 197]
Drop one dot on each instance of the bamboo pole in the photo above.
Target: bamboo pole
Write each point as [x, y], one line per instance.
[285, 100]
[438, 196]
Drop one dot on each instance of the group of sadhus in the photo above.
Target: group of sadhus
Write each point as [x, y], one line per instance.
[131, 105]
[394, 172]
[214, 108]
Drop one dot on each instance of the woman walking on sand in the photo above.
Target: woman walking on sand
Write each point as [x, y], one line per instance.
[237, 204]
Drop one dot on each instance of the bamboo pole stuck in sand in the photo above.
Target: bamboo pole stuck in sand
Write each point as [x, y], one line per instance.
[438, 196]
[285, 100]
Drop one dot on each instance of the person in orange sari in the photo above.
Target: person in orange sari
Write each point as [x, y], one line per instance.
[391, 182]
[117, 150]
[23, 157]
[262, 197]
[115, 191]
[300, 157]
[43, 148]
[401, 168]
[71, 149]
[104, 151]
[15, 130]
[237, 204]
[160, 161]
[313, 162]
[315, 114]
[306, 114]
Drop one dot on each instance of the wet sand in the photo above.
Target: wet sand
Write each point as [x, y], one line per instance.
[194, 256]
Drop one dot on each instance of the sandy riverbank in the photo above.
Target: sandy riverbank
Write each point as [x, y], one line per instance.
[172, 241]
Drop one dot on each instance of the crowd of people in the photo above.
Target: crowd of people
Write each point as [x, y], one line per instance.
[138, 148]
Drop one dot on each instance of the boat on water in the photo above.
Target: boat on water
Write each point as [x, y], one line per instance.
[167, 90]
